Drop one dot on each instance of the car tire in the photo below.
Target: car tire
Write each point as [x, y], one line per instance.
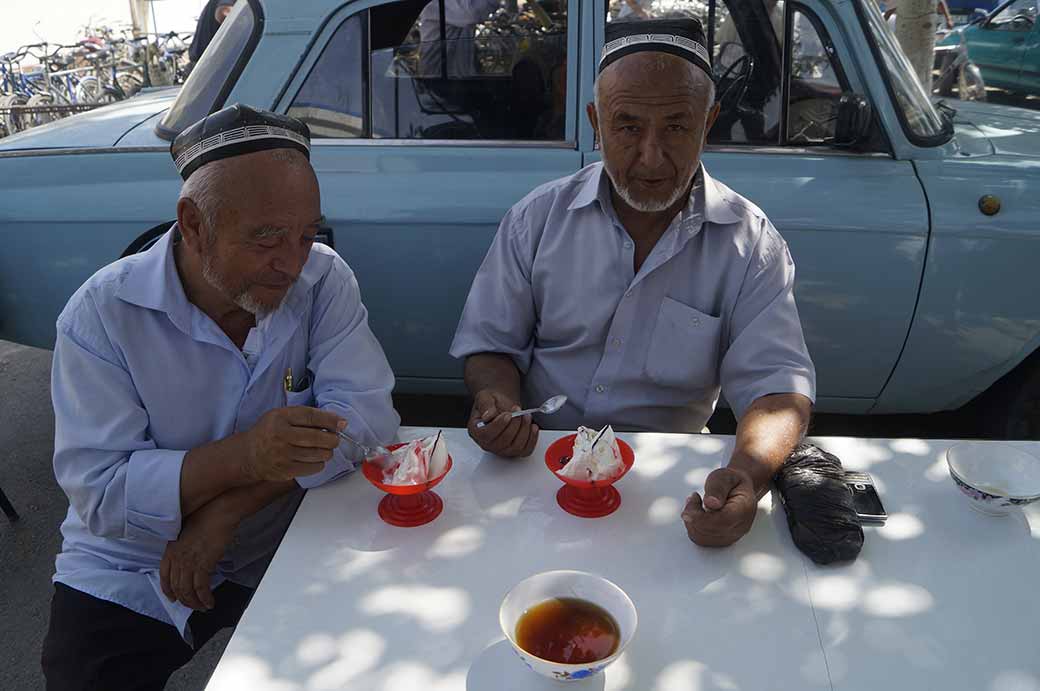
[147, 239]
[1011, 408]
[947, 79]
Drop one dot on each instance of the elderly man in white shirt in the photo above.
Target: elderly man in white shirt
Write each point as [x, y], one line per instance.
[642, 287]
[197, 390]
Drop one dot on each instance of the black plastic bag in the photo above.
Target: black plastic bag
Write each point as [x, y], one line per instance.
[820, 513]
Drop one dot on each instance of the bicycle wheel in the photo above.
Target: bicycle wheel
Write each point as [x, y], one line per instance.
[38, 101]
[88, 90]
[130, 83]
[12, 123]
[109, 94]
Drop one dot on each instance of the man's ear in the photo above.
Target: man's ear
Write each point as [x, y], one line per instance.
[713, 115]
[190, 223]
[590, 110]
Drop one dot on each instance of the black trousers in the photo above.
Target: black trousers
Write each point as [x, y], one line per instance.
[96, 645]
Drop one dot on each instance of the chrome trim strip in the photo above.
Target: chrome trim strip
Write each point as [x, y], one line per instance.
[822, 150]
[447, 143]
[23, 153]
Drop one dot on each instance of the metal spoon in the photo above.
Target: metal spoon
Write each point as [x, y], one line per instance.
[369, 451]
[547, 408]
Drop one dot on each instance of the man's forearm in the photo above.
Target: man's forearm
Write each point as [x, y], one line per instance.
[211, 470]
[770, 429]
[238, 504]
[493, 371]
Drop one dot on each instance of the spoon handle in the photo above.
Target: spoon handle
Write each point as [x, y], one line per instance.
[482, 424]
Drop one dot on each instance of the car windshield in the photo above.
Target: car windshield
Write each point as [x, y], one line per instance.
[923, 122]
[198, 97]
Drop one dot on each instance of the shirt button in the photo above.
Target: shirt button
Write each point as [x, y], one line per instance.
[696, 321]
[600, 388]
[628, 245]
[617, 341]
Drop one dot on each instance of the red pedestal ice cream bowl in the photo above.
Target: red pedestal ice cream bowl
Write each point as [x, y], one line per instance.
[406, 506]
[586, 498]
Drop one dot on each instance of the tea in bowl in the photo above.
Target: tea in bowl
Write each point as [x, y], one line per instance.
[994, 476]
[567, 625]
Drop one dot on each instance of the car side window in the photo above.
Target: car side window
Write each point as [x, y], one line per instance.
[332, 98]
[747, 60]
[470, 69]
[1018, 16]
[443, 69]
[816, 84]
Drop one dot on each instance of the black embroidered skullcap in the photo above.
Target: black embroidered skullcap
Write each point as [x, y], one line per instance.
[681, 37]
[234, 131]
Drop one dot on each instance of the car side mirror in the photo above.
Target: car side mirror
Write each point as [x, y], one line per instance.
[854, 120]
[978, 16]
[1021, 23]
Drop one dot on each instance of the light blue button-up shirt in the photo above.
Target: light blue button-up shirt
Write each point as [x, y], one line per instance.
[711, 309]
[141, 376]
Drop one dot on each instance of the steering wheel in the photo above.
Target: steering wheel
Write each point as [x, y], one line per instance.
[746, 65]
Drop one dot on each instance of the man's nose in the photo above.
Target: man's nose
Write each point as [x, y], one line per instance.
[651, 153]
[289, 263]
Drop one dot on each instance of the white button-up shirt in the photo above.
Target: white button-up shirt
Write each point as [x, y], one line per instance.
[141, 376]
[711, 308]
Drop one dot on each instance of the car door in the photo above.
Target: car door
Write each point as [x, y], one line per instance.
[1029, 74]
[856, 222]
[430, 119]
[998, 45]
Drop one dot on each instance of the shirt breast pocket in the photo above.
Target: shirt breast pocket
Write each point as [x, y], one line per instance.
[684, 347]
[304, 398]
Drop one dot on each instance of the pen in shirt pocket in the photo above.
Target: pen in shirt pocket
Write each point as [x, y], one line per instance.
[292, 386]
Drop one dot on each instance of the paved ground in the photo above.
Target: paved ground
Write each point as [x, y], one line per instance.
[27, 548]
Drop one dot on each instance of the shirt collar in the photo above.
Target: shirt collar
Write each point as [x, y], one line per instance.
[152, 282]
[707, 195]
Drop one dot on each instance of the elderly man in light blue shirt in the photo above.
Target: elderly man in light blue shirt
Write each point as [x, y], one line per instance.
[197, 387]
[642, 287]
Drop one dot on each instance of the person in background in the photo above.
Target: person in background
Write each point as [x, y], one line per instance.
[212, 16]
[634, 10]
[461, 18]
[940, 9]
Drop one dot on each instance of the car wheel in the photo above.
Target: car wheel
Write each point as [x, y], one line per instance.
[147, 239]
[1011, 408]
[947, 78]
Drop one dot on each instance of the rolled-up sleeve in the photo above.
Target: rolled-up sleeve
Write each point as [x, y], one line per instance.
[116, 480]
[499, 316]
[352, 377]
[766, 352]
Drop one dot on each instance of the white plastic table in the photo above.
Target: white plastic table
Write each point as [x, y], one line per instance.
[940, 598]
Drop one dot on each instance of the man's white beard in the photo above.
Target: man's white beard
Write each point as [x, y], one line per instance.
[243, 299]
[650, 206]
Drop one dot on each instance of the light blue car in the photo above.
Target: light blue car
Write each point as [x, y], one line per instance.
[916, 231]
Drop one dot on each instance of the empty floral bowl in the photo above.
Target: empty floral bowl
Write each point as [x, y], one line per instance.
[576, 585]
[994, 476]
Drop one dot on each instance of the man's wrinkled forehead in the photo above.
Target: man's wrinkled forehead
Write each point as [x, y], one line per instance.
[652, 78]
